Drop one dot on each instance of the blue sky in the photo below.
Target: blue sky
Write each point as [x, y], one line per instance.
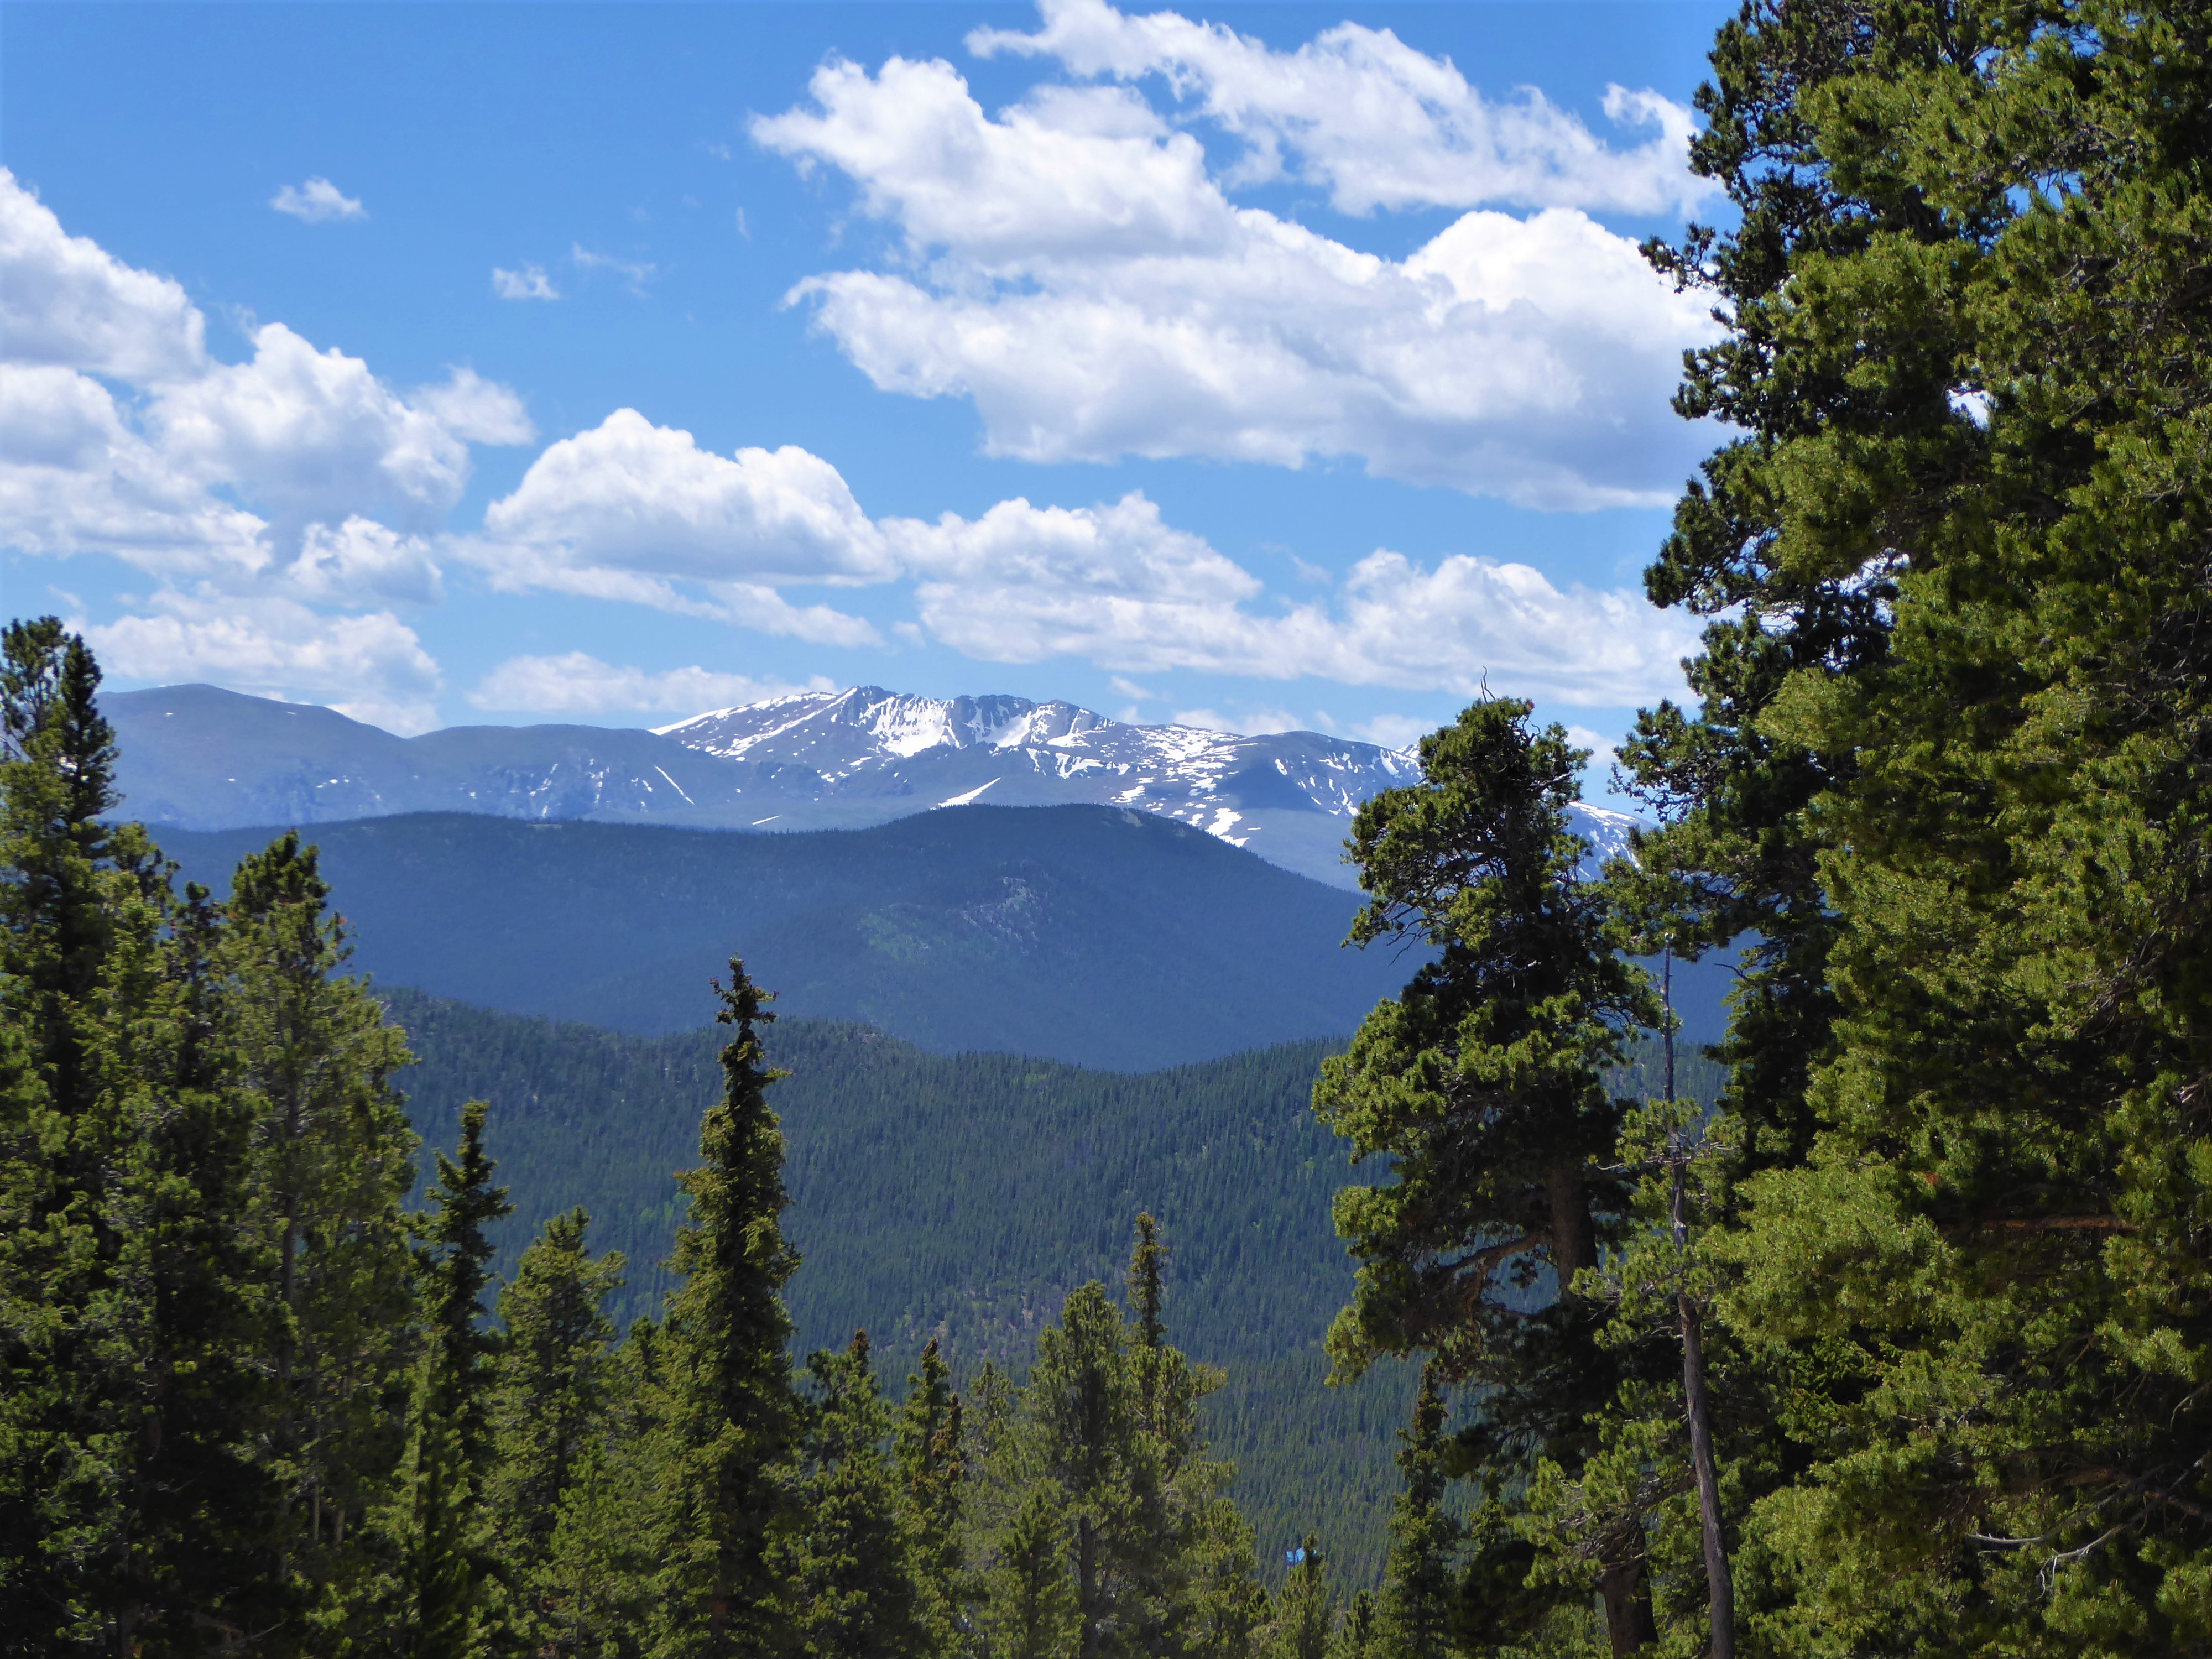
[1262, 365]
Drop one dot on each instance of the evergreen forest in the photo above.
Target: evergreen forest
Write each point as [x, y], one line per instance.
[1884, 1328]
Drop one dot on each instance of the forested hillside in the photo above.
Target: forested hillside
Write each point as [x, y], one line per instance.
[1095, 935]
[962, 1197]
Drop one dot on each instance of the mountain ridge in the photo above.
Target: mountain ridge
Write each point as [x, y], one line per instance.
[199, 758]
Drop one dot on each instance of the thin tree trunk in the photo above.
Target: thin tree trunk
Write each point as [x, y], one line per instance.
[1697, 1405]
[1719, 1588]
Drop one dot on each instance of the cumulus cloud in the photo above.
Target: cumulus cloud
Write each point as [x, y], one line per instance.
[640, 514]
[200, 469]
[477, 411]
[1073, 269]
[371, 667]
[76, 478]
[531, 283]
[633, 511]
[66, 302]
[319, 202]
[361, 563]
[578, 683]
[1375, 121]
[310, 432]
[1120, 588]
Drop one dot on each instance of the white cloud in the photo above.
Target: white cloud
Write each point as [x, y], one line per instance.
[1249, 722]
[203, 470]
[1119, 587]
[1078, 274]
[363, 562]
[371, 667]
[65, 301]
[639, 499]
[635, 273]
[578, 683]
[75, 479]
[310, 434]
[531, 283]
[1392, 730]
[1603, 755]
[319, 202]
[1376, 123]
[477, 411]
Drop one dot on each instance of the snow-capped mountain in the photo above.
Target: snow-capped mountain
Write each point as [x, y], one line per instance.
[207, 759]
[1286, 795]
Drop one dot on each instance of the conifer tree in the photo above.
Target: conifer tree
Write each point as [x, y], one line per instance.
[847, 1569]
[332, 1160]
[933, 1472]
[1483, 1081]
[1307, 1612]
[592, 1594]
[131, 1513]
[727, 1412]
[433, 1599]
[454, 1270]
[1031, 1613]
[1962, 535]
[1415, 1620]
[551, 1409]
[1083, 1407]
[1357, 1636]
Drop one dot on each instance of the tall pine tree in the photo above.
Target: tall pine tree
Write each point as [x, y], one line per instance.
[1483, 1082]
[728, 1414]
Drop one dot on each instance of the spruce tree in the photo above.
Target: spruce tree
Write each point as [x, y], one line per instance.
[132, 1515]
[454, 1266]
[1307, 1612]
[1031, 1611]
[551, 1410]
[847, 1570]
[1483, 1081]
[933, 1473]
[1415, 1620]
[728, 1414]
[332, 1160]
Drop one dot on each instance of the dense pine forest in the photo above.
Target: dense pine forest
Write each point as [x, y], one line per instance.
[1898, 1345]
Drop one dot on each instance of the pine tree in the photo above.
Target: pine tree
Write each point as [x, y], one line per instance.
[1967, 346]
[454, 1270]
[728, 1410]
[1306, 1608]
[132, 1516]
[847, 1570]
[332, 1160]
[1482, 1080]
[1416, 1617]
[1031, 1613]
[551, 1410]
[932, 1473]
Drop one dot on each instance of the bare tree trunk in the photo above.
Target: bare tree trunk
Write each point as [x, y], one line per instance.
[1719, 1587]
[1697, 1405]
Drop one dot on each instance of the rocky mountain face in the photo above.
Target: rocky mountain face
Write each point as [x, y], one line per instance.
[202, 758]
